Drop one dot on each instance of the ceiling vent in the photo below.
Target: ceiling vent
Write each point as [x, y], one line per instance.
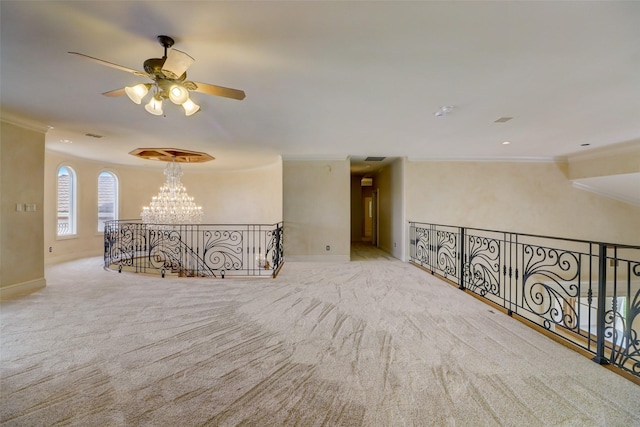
[374, 159]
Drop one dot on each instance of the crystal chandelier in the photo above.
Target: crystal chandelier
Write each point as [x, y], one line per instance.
[172, 205]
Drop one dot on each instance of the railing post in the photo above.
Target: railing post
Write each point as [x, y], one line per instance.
[600, 315]
[412, 241]
[462, 261]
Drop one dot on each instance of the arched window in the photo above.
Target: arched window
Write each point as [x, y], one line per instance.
[107, 198]
[67, 195]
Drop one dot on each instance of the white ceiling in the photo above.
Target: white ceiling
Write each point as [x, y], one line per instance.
[332, 79]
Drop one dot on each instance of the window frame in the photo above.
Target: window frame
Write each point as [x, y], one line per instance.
[73, 202]
[116, 204]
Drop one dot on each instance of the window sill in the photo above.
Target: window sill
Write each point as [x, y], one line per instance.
[67, 237]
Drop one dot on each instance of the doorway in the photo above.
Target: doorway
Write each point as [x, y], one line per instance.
[367, 218]
[364, 211]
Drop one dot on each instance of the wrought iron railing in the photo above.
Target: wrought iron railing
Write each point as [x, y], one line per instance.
[193, 250]
[585, 293]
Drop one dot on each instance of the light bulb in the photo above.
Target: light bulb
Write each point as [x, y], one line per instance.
[154, 106]
[137, 92]
[190, 107]
[178, 94]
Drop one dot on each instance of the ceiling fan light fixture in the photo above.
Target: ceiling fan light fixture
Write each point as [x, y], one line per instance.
[169, 76]
[178, 94]
[137, 92]
[190, 107]
[154, 106]
[176, 64]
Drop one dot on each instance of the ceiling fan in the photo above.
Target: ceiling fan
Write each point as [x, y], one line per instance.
[169, 75]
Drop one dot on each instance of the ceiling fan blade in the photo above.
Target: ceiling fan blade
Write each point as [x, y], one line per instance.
[219, 91]
[116, 92]
[111, 64]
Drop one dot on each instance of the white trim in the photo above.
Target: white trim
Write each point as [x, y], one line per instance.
[58, 259]
[116, 202]
[16, 120]
[73, 200]
[614, 196]
[21, 289]
[557, 159]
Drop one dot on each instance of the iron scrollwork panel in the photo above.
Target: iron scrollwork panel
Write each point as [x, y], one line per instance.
[622, 325]
[125, 243]
[165, 248]
[482, 267]
[223, 249]
[550, 285]
[423, 245]
[447, 253]
[273, 253]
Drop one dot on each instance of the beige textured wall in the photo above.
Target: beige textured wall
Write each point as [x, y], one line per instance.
[356, 209]
[240, 197]
[316, 209]
[390, 184]
[532, 198]
[612, 160]
[21, 233]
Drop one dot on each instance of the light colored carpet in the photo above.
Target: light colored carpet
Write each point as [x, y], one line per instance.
[372, 342]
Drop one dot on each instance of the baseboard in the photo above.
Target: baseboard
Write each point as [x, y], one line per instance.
[318, 258]
[53, 260]
[21, 289]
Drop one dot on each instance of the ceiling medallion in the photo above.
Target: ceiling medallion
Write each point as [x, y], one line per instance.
[172, 154]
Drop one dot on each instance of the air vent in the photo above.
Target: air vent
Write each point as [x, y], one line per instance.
[93, 135]
[374, 159]
[503, 120]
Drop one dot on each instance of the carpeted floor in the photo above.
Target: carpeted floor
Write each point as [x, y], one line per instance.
[372, 342]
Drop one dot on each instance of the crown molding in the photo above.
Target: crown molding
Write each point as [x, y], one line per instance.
[557, 159]
[615, 196]
[17, 120]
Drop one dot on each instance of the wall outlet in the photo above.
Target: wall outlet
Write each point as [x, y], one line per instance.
[328, 247]
[50, 248]
[394, 244]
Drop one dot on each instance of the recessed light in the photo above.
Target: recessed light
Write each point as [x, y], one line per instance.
[502, 120]
[506, 143]
[443, 111]
[66, 141]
